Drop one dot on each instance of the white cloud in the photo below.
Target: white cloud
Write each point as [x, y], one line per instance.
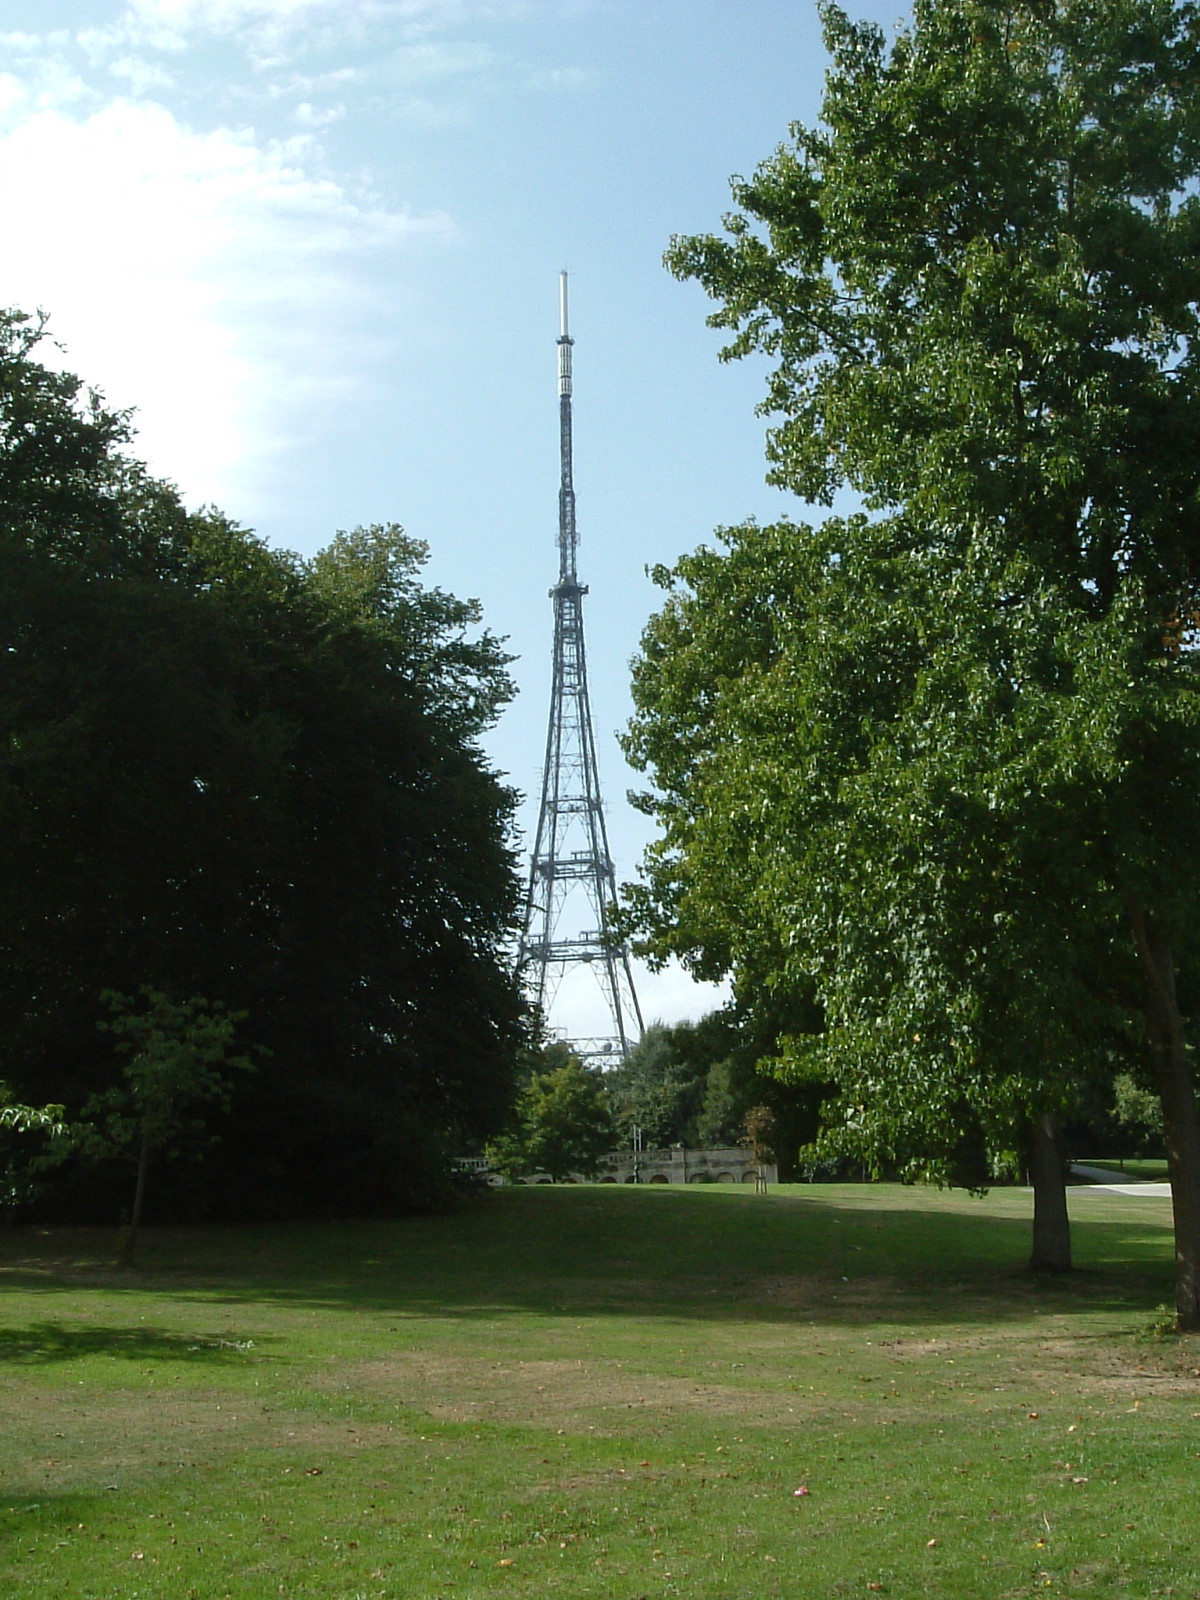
[673, 995]
[217, 281]
[309, 117]
[220, 13]
[171, 19]
[12, 93]
[168, 24]
[140, 74]
[212, 281]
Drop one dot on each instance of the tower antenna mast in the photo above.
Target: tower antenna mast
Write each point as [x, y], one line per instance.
[571, 860]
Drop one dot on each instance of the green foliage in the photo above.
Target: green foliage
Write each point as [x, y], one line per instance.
[228, 771]
[562, 1126]
[177, 1057]
[1138, 1113]
[24, 1156]
[27, 1119]
[657, 1090]
[719, 1122]
[924, 769]
[978, 276]
[695, 1083]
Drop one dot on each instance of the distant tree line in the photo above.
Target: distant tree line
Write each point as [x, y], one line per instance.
[694, 1084]
[248, 784]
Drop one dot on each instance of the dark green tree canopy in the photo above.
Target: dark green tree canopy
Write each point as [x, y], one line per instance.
[233, 772]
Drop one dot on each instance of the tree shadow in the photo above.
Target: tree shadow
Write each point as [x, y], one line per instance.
[43, 1343]
[829, 1254]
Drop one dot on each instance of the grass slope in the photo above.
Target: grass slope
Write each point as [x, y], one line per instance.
[1133, 1168]
[606, 1394]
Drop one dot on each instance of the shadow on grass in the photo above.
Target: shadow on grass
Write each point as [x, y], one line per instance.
[42, 1343]
[29, 1515]
[837, 1254]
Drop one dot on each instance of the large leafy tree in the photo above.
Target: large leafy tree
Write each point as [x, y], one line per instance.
[231, 772]
[979, 281]
[835, 787]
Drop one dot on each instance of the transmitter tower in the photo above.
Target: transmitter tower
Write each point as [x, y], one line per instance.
[571, 871]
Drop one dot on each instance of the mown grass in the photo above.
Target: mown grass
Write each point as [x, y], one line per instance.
[606, 1394]
[1143, 1168]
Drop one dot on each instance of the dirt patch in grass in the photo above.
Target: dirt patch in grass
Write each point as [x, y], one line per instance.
[1139, 1382]
[55, 1444]
[562, 1394]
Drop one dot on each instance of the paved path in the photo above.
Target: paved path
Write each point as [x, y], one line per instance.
[1110, 1183]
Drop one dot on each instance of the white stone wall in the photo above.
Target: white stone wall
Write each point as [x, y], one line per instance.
[677, 1165]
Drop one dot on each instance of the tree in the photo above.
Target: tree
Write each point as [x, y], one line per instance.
[694, 1083]
[1138, 1114]
[563, 1125]
[979, 280]
[848, 849]
[232, 772]
[656, 1090]
[177, 1057]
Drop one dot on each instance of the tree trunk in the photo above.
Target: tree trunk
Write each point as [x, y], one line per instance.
[1051, 1224]
[139, 1194]
[1173, 1077]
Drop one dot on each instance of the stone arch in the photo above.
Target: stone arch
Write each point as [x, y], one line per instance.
[749, 1175]
[660, 1177]
[726, 1177]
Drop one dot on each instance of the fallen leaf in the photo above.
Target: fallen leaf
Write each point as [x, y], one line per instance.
[932, 1544]
[313, 1472]
[1078, 1480]
[507, 1562]
[803, 1489]
[1033, 1416]
[137, 1556]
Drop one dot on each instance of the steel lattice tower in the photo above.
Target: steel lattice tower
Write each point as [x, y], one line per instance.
[570, 854]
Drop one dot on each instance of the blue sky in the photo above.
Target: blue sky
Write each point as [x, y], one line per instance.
[316, 244]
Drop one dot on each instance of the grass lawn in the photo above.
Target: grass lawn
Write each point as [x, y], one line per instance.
[603, 1394]
[1143, 1168]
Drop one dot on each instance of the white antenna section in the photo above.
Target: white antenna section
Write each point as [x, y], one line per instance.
[564, 341]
